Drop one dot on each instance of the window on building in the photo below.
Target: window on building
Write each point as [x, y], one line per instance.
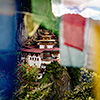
[37, 59]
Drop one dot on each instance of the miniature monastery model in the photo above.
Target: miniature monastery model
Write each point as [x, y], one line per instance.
[41, 50]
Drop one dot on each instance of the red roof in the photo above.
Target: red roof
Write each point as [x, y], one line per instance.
[32, 50]
[30, 47]
[37, 50]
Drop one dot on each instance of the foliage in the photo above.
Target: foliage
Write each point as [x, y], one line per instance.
[31, 88]
[52, 74]
[27, 73]
[29, 85]
[74, 74]
[33, 93]
[84, 90]
[55, 69]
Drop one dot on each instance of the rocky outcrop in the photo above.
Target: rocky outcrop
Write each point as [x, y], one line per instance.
[61, 81]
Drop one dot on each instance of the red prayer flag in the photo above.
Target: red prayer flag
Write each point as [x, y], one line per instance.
[73, 30]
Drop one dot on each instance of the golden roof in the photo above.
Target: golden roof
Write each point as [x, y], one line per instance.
[46, 33]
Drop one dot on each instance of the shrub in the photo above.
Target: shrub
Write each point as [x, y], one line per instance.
[29, 87]
[82, 91]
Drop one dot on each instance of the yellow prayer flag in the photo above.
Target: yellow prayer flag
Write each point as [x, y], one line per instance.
[31, 25]
[95, 49]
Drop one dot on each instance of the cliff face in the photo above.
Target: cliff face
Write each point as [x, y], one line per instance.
[60, 86]
[23, 5]
[63, 83]
[21, 34]
[60, 78]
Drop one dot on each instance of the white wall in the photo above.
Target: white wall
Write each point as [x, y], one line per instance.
[41, 46]
[34, 60]
[45, 62]
[49, 46]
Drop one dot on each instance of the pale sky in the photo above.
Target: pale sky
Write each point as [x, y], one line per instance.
[86, 8]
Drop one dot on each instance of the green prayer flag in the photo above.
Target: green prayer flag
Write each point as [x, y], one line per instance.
[42, 13]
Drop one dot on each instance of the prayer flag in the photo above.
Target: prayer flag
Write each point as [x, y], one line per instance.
[89, 46]
[7, 49]
[30, 24]
[94, 44]
[7, 7]
[42, 13]
[70, 56]
[73, 30]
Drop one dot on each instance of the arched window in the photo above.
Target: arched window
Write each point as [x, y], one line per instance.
[30, 58]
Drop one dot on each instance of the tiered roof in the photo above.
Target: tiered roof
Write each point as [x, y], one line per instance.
[37, 50]
[43, 34]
